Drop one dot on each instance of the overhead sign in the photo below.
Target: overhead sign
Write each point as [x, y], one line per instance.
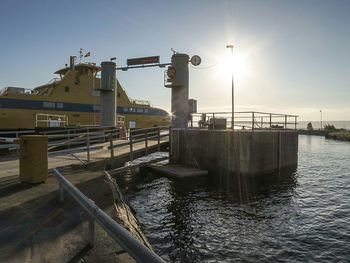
[142, 61]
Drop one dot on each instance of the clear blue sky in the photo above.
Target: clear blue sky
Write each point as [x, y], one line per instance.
[296, 53]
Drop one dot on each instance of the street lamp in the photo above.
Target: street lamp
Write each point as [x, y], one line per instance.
[321, 119]
[232, 96]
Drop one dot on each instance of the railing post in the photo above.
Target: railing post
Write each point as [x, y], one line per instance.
[213, 121]
[91, 232]
[285, 121]
[253, 121]
[88, 147]
[146, 143]
[270, 121]
[130, 140]
[262, 123]
[68, 139]
[295, 122]
[111, 148]
[61, 192]
[158, 139]
[170, 148]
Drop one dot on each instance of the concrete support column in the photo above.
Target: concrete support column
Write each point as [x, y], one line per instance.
[180, 91]
[108, 102]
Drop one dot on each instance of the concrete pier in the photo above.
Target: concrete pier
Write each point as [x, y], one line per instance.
[240, 152]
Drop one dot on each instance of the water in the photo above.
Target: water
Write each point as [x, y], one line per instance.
[298, 216]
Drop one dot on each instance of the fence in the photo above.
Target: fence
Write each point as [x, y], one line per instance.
[50, 120]
[129, 243]
[8, 138]
[244, 120]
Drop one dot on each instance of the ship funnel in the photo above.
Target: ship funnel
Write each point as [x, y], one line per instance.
[71, 61]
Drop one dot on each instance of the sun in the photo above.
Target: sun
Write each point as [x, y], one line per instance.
[236, 63]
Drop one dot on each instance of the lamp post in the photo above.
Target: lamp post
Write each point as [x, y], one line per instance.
[232, 96]
[321, 119]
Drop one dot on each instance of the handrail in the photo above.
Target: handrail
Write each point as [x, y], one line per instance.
[129, 243]
[244, 119]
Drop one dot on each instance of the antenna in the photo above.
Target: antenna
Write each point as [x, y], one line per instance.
[80, 55]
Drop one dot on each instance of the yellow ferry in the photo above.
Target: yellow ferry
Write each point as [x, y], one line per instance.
[72, 100]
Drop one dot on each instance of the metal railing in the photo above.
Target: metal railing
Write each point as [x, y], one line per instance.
[7, 138]
[130, 244]
[142, 135]
[90, 139]
[252, 120]
[51, 120]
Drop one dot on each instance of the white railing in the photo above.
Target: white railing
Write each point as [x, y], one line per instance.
[51, 120]
[252, 120]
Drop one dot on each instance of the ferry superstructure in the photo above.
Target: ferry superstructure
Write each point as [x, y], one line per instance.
[72, 99]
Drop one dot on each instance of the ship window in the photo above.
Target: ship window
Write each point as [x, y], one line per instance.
[125, 109]
[76, 115]
[132, 109]
[146, 110]
[139, 110]
[59, 105]
[48, 104]
[66, 89]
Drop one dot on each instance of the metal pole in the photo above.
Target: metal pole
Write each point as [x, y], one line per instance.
[253, 121]
[111, 147]
[295, 122]
[131, 153]
[285, 121]
[158, 139]
[233, 94]
[88, 148]
[118, 233]
[270, 121]
[146, 143]
[91, 231]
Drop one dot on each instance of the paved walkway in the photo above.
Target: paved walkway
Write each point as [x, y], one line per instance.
[36, 227]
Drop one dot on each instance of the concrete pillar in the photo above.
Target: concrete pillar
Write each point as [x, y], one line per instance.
[180, 91]
[33, 164]
[108, 101]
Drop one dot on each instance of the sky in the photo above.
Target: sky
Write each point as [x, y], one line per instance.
[290, 56]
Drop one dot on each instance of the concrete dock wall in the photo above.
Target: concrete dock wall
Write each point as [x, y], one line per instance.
[241, 152]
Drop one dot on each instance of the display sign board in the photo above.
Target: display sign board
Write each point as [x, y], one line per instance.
[142, 61]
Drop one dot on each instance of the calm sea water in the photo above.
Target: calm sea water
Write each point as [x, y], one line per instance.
[298, 216]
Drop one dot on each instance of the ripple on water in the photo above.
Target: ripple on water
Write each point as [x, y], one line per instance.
[302, 217]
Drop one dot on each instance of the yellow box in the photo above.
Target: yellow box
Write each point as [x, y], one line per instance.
[33, 163]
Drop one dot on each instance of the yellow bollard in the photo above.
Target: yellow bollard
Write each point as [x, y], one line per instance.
[33, 166]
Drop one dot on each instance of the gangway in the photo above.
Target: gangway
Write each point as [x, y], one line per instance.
[140, 162]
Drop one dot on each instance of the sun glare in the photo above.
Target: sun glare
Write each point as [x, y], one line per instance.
[238, 63]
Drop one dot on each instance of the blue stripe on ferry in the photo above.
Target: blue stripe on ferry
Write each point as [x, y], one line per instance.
[75, 107]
